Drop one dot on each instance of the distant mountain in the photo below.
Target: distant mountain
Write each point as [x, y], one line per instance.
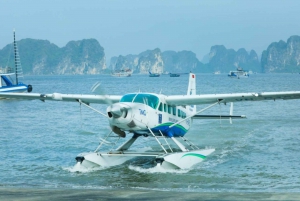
[158, 62]
[282, 56]
[220, 59]
[225, 60]
[88, 57]
[42, 57]
[205, 59]
[182, 62]
[150, 60]
[124, 62]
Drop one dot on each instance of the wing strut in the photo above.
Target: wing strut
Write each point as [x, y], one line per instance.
[231, 112]
[103, 142]
[162, 146]
[91, 108]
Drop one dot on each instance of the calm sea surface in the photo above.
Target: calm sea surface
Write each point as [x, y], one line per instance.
[40, 140]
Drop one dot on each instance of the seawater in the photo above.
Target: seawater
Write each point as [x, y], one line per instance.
[40, 140]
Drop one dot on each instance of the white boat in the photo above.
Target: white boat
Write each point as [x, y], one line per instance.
[239, 73]
[122, 73]
[9, 77]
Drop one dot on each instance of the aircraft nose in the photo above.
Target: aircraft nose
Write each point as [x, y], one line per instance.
[121, 118]
[117, 110]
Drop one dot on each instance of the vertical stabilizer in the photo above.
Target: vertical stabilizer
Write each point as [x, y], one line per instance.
[192, 85]
[192, 91]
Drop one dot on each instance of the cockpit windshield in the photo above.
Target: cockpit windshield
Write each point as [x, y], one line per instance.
[128, 98]
[148, 99]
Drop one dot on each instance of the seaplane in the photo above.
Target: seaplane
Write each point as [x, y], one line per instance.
[164, 118]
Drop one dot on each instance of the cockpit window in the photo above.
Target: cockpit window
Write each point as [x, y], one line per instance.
[147, 99]
[128, 98]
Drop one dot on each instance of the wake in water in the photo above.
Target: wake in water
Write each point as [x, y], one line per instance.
[79, 168]
[157, 169]
[235, 148]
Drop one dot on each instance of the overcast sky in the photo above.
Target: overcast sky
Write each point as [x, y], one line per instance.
[132, 26]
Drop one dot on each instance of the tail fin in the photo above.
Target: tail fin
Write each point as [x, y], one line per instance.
[192, 91]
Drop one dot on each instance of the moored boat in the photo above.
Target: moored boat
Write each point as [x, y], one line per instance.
[9, 77]
[153, 74]
[122, 73]
[174, 74]
[239, 73]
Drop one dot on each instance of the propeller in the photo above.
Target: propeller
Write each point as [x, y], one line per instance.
[97, 89]
[114, 110]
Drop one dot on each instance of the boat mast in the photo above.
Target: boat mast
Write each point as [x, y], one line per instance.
[16, 65]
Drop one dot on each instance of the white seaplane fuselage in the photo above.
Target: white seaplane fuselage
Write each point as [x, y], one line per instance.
[138, 112]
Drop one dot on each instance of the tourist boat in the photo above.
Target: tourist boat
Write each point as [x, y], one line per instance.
[153, 74]
[239, 73]
[122, 73]
[9, 77]
[174, 74]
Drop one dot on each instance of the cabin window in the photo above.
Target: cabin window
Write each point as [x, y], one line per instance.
[179, 113]
[148, 99]
[174, 110]
[169, 109]
[183, 115]
[165, 107]
[160, 107]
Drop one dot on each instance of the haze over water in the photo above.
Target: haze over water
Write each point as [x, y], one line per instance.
[40, 140]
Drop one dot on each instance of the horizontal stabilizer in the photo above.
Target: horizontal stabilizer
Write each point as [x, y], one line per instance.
[218, 116]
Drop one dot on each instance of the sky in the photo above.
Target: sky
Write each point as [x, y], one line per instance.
[125, 27]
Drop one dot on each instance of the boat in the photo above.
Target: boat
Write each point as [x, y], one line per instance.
[122, 73]
[153, 74]
[217, 72]
[239, 73]
[174, 74]
[9, 77]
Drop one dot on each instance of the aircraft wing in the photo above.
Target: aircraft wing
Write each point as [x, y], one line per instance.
[218, 116]
[100, 99]
[232, 97]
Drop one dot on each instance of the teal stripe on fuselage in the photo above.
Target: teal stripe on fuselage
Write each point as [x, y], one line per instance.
[195, 155]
